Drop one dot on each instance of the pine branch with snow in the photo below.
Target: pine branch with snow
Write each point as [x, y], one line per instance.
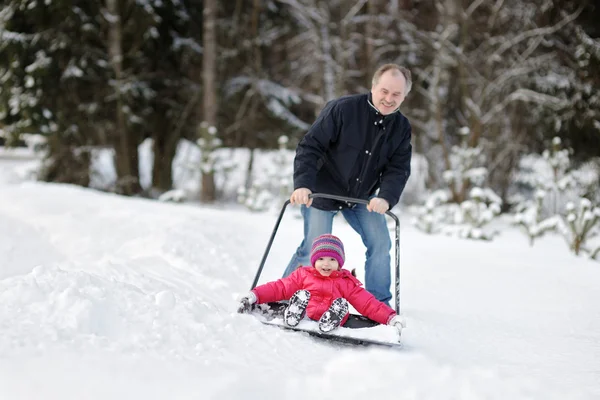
[556, 187]
[579, 224]
[529, 218]
[467, 220]
[594, 254]
[212, 162]
[468, 206]
[173, 196]
[477, 212]
[466, 168]
[208, 143]
[431, 216]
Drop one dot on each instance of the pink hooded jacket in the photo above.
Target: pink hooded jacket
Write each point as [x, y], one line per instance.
[323, 290]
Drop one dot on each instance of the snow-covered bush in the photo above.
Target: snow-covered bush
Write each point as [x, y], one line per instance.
[529, 218]
[173, 196]
[466, 168]
[551, 174]
[479, 210]
[547, 186]
[595, 253]
[467, 220]
[466, 207]
[273, 184]
[431, 216]
[579, 224]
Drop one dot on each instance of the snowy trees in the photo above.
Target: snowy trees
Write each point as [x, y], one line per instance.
[573, 76]
[432, 215]
[208, 142]
[579, 224]
[112, 73]
[480, 64]
[556, 200]
[466, 206]
[552, 184]
[98, 74]
[530, 218]
[209, 104]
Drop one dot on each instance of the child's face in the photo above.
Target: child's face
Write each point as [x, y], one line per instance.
[326, 265]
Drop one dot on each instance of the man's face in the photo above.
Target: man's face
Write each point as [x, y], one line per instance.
[389, 92]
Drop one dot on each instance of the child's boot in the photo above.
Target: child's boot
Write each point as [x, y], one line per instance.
[295, 311]
[333, 317]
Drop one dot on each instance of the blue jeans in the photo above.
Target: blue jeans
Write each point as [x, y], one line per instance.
[374, 233]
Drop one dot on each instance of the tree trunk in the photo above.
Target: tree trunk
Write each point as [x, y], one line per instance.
[66, 162]
[164, 146]
[369, 42]
[126, 154]
[209, 58]
[248, 183]
[208, 186]
[328, 82]
[577, 244]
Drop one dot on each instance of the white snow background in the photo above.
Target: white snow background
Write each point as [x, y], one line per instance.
[108, 297]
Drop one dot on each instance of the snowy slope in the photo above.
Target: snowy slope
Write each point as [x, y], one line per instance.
[108, 297]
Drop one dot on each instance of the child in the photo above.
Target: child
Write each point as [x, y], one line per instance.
[322, 291]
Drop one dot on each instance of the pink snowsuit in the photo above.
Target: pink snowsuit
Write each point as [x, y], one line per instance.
[323, 290]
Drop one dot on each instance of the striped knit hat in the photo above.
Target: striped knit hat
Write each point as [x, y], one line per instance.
[327, 246]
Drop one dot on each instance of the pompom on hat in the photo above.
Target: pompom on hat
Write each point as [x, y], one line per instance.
[327, 246]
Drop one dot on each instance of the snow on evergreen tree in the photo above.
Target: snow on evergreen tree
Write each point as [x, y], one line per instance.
[27, 58]
[554, 185]
[173, 196]
[466, 170]
[272, 186]
[212, 162]
[579, 224]
[595, 253]
[208, 143]
[477, 205]
[529, 218]
[431, 216]
[480, 209]
[90, 74]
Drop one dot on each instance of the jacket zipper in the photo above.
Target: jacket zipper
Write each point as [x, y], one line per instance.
[369, 161]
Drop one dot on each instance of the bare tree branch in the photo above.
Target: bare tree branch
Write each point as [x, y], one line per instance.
[474, 5]
[353, 11]
[533, 33]
[528, 96]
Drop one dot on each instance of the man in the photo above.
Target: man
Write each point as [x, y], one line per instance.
[358, 147]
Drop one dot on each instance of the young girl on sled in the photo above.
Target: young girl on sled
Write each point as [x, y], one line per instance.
[322, 291]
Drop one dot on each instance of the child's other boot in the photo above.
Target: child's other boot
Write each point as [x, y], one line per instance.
[296, 309]
[333, 317]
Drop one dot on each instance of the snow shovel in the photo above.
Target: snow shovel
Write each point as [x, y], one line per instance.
[271, 313]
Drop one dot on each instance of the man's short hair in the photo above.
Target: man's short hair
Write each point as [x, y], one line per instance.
[403, 70]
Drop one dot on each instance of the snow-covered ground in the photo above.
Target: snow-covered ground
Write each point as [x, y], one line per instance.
[106, 297]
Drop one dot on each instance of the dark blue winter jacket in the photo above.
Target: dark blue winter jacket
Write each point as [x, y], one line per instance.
[352, 150]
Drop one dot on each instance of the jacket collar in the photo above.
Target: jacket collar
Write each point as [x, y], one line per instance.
[374, 109]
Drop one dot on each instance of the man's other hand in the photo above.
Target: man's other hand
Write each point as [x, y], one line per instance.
[300, 196]
[378, 205]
